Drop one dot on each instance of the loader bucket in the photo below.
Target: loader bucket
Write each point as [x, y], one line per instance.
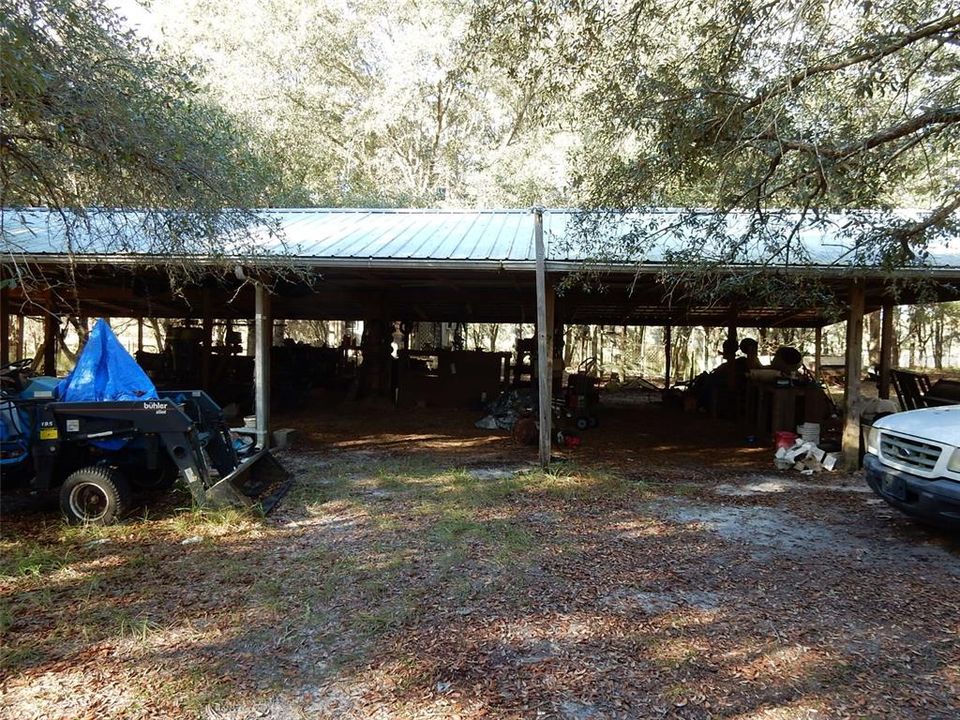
[258, 480]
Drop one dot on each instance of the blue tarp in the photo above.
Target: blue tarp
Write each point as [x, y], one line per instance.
[105, 372]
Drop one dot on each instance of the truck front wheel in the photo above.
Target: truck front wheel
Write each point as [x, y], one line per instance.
[95, 495]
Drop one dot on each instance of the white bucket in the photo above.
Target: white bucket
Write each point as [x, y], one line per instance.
[809, 432]
[250, 421]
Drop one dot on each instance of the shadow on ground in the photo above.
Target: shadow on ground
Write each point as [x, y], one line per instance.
[393, 582]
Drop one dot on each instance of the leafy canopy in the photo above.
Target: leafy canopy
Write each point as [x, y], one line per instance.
[93, 117]
[755, 106]
[374, 103]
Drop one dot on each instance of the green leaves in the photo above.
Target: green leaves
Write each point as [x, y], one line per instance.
[93, 116]
[757, 106]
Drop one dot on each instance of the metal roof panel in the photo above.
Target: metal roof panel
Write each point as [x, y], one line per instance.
[483, 236]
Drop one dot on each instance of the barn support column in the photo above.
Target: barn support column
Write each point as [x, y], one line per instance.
[4, 327]
[668, 354]
[18, 339]
[544, 340]
[558, 341]
[854, 368]
[732, 337]
[251, 347]
[263, 326]
[817, 351]
[50, 325]
[375, 370]
[732, 330]
[206, 349]
[886, 349]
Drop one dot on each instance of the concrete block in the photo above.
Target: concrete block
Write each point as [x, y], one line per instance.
[283, 437]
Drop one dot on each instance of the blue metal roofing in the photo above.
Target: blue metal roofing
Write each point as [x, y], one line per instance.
[411, 237]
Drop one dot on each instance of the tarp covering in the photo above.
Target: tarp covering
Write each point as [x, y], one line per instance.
[105, 372]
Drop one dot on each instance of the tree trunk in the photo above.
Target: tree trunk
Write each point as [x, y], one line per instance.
[18, 339]
[913, 337]
[477, 335]
[938, 331]
[494, 333]
[81, 325]
[643, 350]
[38, 357]
[707, 341]
[873, 338]
[624, 349]
[895, 360]
[159, 333]
[680, 360]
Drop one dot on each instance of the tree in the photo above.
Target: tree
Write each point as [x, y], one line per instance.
[756, 106]
[93, 117]
[374, 104]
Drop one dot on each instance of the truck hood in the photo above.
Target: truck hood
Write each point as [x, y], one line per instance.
[940, 424]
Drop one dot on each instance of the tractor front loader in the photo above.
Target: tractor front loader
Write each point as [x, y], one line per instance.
[96, 451]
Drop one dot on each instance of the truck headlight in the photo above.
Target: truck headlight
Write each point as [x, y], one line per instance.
[954, 464]
[873, 441]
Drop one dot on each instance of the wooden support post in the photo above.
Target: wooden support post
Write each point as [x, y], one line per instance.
[886, 349]
[18, 339]
[817, 352]
[206, 349]
[4, 327]
[544, 351]
[552, 365]
[251, 348]
[732, 332]
[668, 352]
[263, 324]
[50, 325]
[559, 331]
[140, 335]
[732, 338]
[854, 368]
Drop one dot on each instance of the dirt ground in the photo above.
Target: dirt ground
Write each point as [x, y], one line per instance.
[422, 568]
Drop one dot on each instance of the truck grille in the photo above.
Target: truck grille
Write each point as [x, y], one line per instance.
[908, 452]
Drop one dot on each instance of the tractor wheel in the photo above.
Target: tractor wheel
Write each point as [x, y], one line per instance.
[95, 495]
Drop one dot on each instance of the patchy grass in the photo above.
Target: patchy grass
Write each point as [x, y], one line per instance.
[206, 521]
[31, 559]
[402, 586]
[137, 628]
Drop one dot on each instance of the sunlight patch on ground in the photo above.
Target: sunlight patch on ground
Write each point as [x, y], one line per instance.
[635, 529]
[763, 486]
[72, 693]
[387, 441]
[792, 661]
[793, 712]
[423, 587]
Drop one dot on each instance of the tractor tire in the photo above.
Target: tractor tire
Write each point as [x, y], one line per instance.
[95, 495]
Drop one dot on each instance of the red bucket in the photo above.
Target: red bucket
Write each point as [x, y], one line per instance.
[785, 439]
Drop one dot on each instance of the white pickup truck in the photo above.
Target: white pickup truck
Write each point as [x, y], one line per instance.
[913, 462]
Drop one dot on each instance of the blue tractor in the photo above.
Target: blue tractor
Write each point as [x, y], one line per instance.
[97, 453]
